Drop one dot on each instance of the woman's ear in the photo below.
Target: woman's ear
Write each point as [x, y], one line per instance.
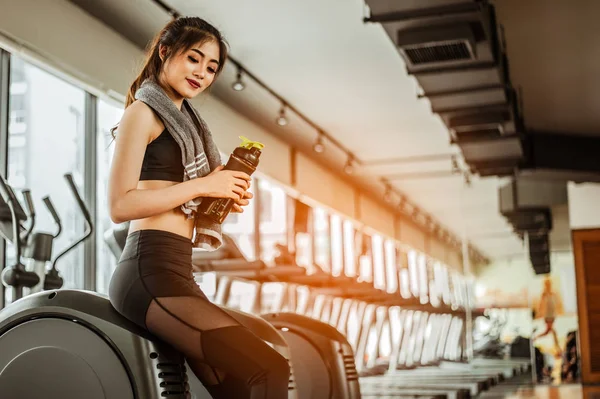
[162, 52]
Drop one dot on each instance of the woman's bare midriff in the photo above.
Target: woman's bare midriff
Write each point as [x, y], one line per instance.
[173, 221]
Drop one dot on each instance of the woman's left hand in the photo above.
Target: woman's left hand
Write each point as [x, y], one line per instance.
[237, 206]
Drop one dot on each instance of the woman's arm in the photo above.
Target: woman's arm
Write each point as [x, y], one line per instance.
[126, 202]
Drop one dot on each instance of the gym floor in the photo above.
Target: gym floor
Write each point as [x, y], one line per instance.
[520, 387]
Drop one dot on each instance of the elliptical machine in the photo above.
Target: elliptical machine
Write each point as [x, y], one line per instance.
[73, 343]
[36, 246]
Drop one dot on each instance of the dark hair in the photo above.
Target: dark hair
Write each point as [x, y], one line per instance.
[178, 36]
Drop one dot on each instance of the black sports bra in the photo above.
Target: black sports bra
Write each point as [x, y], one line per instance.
[162, 160]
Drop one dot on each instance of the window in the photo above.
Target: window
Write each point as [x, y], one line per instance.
[423, 278]
[390, 266]
[49, 143]
[322, 239]
[349, 260]
[365, 257]
[413, 273]
[240, 227]
[108, 115]
[378, 262]
[303, 235]
[337, 247]
[273, 217]
[304, 251]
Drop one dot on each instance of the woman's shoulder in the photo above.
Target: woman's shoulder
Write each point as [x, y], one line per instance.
[143, 117]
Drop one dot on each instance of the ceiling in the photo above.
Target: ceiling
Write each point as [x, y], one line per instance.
[348, 78]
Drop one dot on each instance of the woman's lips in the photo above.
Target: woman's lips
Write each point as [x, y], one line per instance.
[193, 83]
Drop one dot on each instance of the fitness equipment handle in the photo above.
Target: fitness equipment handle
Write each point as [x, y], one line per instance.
[29, 203]
[54, 214]
[82, 206]
[53, 280]
[30, 213]
[6, 192]
[9, 197]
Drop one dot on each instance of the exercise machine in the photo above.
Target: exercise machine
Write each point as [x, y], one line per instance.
[322, 359]
[72, 343]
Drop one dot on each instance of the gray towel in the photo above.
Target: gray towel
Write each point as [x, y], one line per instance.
[199, 153]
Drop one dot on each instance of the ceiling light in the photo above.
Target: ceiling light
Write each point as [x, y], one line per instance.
[348, 168]
[388, 195]
[468, 180]
[238, 85]
[318, 147]
[281, 119]
[455, 167]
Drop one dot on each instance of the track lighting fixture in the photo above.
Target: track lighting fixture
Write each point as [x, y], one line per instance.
[349, 168]
[415, 212]
[455, 167]
[319, 147]
[402, 203]
[281, 119]
[467, 179]
[238, 85]
[388, 196]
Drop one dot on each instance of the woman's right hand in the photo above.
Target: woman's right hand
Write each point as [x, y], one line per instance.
[224, 184]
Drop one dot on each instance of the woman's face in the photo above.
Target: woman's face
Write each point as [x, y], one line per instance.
[189, 73]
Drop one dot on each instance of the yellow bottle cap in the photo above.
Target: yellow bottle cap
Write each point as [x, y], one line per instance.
[249, 144]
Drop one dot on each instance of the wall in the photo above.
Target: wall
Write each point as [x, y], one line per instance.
[584, 200]
[79, 47]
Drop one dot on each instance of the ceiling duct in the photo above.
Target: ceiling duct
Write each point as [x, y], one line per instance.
[394, 9]
[526, 204]
[487, 152]
[539, 253]
[563, 157]
[490, 123]
[436, 46]
[532, 221]
[523, 194]
[454, 50]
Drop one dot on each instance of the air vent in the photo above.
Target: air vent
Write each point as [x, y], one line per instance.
[172, 379]
[439, 52]
[350, 367]
[291, 381]
[436, 45]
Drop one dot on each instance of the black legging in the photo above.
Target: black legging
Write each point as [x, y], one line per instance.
[154, 287]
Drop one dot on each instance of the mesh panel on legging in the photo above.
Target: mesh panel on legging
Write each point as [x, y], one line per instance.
[228, 358]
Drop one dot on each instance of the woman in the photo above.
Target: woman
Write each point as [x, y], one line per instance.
[549, 307]
[149, 185]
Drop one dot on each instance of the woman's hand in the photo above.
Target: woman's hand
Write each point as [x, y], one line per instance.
[224, 184]
[237, 206]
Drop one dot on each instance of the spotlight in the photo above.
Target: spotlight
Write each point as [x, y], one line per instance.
[281, 120]
[468, 180]
[455, 168]
[318, 147]
[402, 204]
[388, 195]
[238, 85]
[348, 168]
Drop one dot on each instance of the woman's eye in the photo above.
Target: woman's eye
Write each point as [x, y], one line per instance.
[212, 70]
[192, 59]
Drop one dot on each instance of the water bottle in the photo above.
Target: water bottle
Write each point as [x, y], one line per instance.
[243, 159]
